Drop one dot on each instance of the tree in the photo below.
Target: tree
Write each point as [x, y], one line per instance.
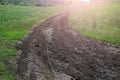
[17, 1]
[5, 2]
[1, 0]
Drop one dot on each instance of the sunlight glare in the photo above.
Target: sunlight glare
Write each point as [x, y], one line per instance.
[85, 0]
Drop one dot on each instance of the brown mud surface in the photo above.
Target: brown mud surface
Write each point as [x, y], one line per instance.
[53, 51]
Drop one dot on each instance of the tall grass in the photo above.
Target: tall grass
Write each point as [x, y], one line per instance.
[98, 20]
[15, 21]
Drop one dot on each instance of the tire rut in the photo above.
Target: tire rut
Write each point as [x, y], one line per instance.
[53, 51]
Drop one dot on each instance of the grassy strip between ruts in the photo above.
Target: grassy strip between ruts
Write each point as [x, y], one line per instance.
[15, 21]
[97, 20]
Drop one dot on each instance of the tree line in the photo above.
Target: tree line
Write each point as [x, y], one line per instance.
[5, 2]
[41, 2]
[37, 2]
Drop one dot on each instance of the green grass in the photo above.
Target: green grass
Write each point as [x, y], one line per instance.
[15, 21]
[98, 20]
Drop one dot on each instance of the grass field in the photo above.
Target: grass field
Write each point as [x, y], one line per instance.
[98, 20]
[14, 23]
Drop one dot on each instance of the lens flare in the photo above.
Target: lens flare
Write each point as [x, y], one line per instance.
[85, 0]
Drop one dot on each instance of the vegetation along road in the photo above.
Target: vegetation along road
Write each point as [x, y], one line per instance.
[15, 21]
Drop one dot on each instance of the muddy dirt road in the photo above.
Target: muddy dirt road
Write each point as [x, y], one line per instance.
[53, 51]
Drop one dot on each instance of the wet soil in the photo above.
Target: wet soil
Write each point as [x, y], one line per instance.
[51, 50]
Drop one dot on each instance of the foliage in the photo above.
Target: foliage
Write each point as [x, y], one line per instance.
[29, 2]
[98, 20]
[15, 21]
